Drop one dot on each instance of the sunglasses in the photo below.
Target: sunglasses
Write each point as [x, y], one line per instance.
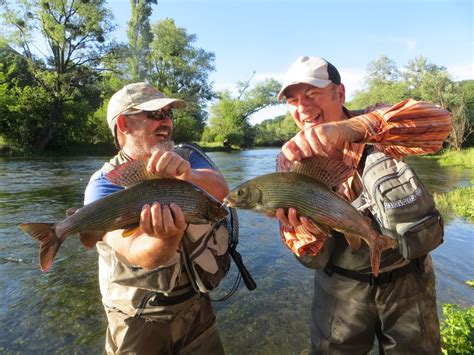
[158, 115]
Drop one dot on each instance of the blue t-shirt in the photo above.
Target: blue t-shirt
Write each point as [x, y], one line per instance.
[99, 187]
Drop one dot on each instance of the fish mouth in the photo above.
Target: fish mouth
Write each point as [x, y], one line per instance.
[228, 202]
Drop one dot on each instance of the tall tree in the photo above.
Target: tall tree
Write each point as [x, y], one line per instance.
[383, 83]
[139, 39]
[180, 69]
[63, 42]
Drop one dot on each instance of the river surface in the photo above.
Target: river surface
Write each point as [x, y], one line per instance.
[60, 311]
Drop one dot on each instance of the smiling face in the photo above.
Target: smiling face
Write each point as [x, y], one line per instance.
[311, 106]
[143, 135]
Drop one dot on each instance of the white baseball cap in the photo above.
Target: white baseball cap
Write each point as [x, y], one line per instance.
[314, 71]
[140, 97]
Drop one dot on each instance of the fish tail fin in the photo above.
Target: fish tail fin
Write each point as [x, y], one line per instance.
[379, 243]
[45, 233]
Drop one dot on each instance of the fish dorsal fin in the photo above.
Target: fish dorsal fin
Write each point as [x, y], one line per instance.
[130, 173]
[329, 171]
[70, 211]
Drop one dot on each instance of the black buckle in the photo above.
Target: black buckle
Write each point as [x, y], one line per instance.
[328, 270]
[373, 280]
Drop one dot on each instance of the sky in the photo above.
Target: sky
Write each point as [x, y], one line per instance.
[267, 36]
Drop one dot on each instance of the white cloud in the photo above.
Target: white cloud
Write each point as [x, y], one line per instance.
[267, 113]
[353, 79]
[408, 43]
[461, 71]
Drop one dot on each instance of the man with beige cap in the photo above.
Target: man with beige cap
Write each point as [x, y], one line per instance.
[154, 299]
[351, 307]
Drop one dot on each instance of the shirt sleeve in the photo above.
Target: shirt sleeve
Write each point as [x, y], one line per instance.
[407, 128]
[99, 187]
[198, 162]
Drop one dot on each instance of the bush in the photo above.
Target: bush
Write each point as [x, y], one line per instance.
[457, 335]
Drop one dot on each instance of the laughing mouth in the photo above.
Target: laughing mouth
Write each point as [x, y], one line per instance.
[163, 134]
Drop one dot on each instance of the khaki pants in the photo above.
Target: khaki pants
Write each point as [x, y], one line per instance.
[191, 331]
[347, 315]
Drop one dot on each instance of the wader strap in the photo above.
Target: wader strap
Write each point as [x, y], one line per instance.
[162, 300]
[383, 278]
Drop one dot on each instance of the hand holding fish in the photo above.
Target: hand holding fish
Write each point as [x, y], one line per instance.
[292, 219]
[162, 222]
[169, 164]
[309, 142]
[325, 140]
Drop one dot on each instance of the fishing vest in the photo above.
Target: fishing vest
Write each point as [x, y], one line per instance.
[199, 265]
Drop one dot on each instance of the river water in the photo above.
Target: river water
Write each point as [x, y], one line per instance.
[60, 311]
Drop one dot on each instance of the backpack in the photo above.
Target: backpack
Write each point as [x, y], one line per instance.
[400, 204]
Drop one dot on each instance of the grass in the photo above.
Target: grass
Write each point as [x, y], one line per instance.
[214, 146]
[463, 158]
[459, 201]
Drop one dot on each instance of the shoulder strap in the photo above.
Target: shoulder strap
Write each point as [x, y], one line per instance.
[232, 222]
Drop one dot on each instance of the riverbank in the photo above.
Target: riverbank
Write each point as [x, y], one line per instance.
[463, 158]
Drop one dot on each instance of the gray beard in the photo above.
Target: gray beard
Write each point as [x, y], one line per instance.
[167, 146]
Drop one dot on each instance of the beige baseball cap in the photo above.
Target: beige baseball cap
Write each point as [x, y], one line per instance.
[138, 96]
[314, 71]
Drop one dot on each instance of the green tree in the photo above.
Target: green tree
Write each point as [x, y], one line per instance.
[383, 83]
[430, 82]
[229, 120]
[181, 70]
[65, 70]
[139, 39]
[275, 131]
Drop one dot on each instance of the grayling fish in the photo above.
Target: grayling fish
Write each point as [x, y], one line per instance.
[121, 210]
[312, 198]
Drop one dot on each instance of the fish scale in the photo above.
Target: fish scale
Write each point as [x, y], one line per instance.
[313, 199]
[121, 210]
[108, 213]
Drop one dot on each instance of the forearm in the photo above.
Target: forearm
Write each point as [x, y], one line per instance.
[142, 250]
[211, 181]
[409, 127]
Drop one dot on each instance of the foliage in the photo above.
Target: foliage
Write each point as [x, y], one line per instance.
[276, 131]
[139, 39]
[179, 69]
[457, 330]
[229, 122]
[459, 201]
[63, 73]
[464, 158]
[420, 80]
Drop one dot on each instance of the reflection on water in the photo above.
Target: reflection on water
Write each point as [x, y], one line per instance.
[60, 311]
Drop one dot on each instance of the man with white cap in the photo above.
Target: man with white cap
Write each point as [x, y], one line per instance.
[350, 306]
[151, 299]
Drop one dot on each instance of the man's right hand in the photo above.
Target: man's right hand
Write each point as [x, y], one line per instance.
[323, 140]
[156, 241]
[162, 222]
